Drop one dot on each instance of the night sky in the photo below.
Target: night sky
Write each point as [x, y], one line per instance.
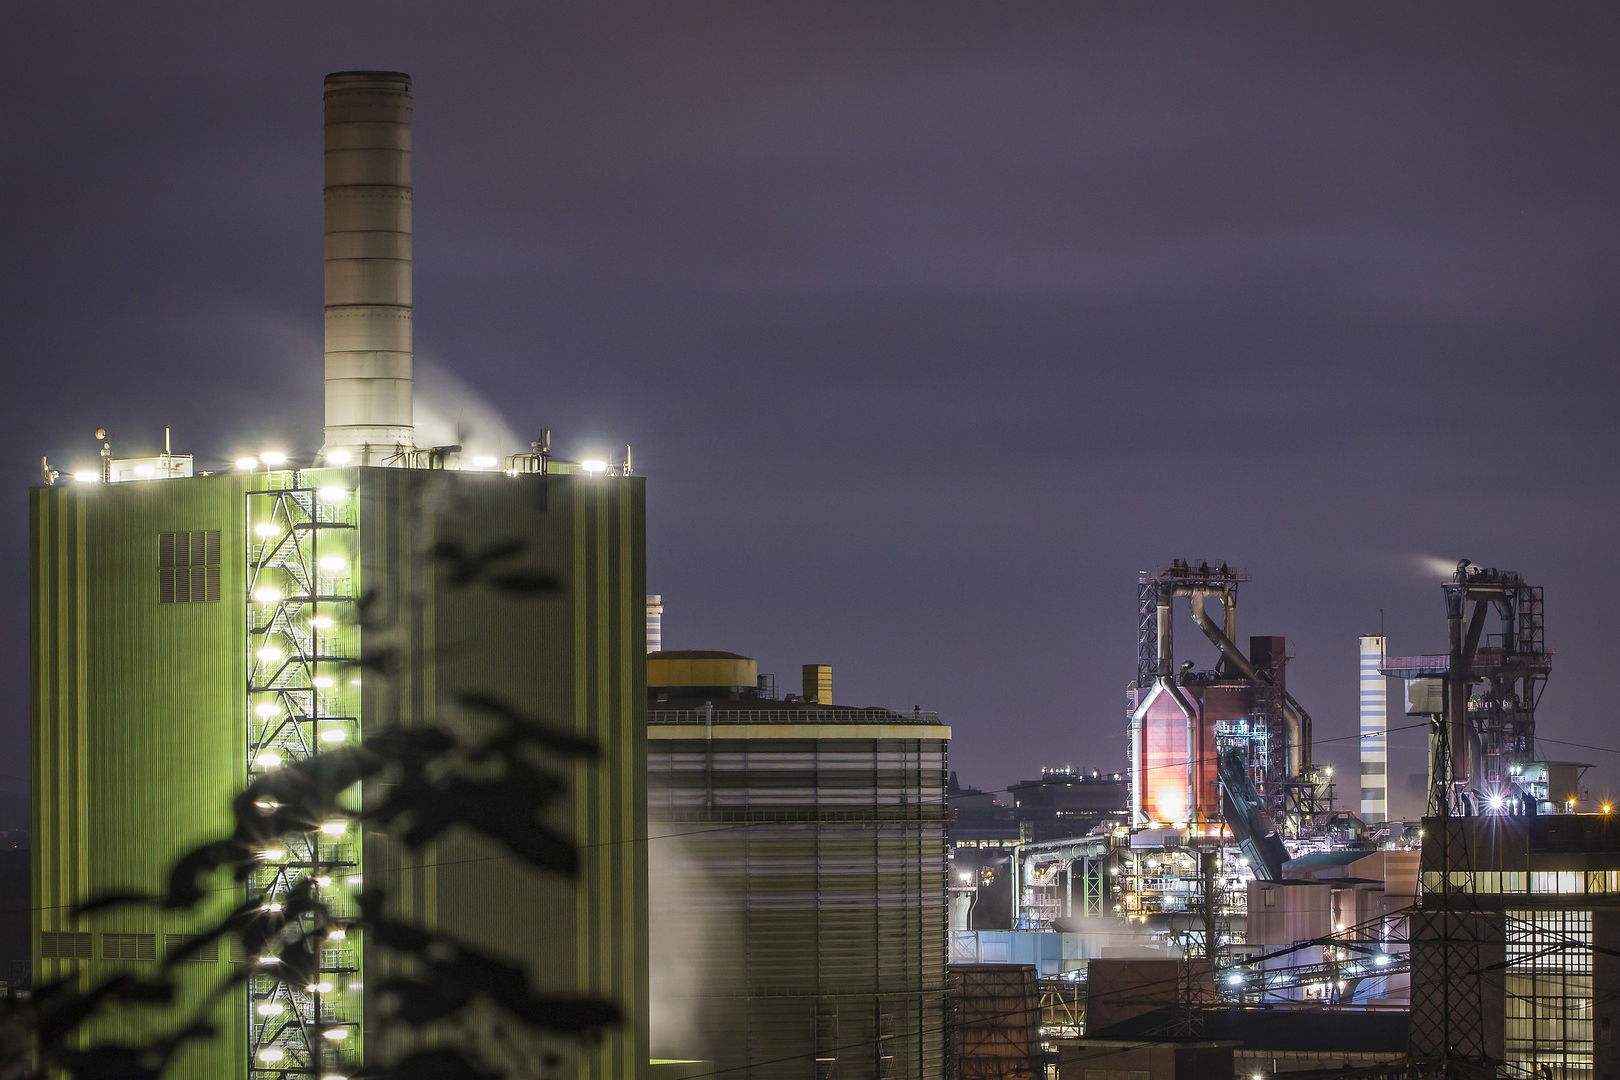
[931, 325]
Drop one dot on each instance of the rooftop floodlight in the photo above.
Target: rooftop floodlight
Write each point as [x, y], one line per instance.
[333, 564]
[484, 461]
[269, 1008]
[273, 458]
[1608, 808]
[267, 709]
[338, 457]
[1235, 979]
[334, 493]
[594, 466]
[334, 828]
[1497, 802]
[337, 933]
[266, 529]
[270, 654]
[336, 1034]
[87, 476]
[268, 760]
[1382, 960]
[274, 854]
[321, 622]
[266, 594]
[322, 987]
[247, 464]
[333, 735]
[143, 471]
[271, 1054]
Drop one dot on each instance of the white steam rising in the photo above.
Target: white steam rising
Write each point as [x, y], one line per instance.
[449, 411]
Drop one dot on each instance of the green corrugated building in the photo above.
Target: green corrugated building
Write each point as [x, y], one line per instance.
[187, 631]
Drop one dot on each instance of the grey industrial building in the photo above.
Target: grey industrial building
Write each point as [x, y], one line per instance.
[799, 860]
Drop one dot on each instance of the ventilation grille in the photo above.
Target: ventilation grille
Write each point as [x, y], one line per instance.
[129, 946]
[188, 567]
[64, 945]
[205, 954]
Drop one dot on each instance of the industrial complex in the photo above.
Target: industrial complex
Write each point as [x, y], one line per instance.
[771, 885]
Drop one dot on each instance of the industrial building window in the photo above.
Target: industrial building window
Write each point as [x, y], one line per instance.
[188, 567]
[62, 945]
[207, 954]
[129, 946]
[1548, 1022]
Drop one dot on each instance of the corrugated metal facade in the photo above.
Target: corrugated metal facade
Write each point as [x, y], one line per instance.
[138, 712]
[799, 884]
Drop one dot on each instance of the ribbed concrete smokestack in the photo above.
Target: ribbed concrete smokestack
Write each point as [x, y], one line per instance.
[368, 266]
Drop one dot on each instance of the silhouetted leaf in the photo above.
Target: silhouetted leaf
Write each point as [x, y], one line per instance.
[525, 583]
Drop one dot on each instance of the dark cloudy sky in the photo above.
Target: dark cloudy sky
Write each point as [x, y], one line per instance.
[931, 324]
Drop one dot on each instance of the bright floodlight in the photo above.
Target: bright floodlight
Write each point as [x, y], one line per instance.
[267, 709]
[594, 465]
[268, 760]
[273, 457]
[1234, 979]
[143, 470]
[87, 476]
[332, 564]
[270, 654]
[266, 594]
[266, 529]
[247, 464]
[271, 1054]
[336, 1034]
[274, 854]
[338, 457]
[320, 988]
[335, 828]
[321, 622]
[1497, 802]
[484, 461]
[333, 493]
[269, 1008]
[1381, 960]
[322, 682]
[334, 735]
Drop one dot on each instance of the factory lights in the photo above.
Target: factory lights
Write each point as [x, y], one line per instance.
[334, 828]
[334, 735]
[270, 1008]
[271, 1054]
[273, 458]
[333, 564]
[338, 457]
[336, 1034]
[333, 494]
[87, 476]
[270, 654]
[320, 622]
[268, 759]
[267, 709]
[266, 529]
[484, 461]
[322, 987]
[594, 466]
[322, 682]
[247, 464]
[266, 594]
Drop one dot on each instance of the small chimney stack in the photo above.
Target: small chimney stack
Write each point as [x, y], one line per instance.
[818, 684]
[368, 268]
[655, 623]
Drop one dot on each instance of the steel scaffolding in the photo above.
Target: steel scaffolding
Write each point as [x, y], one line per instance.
[301, 698]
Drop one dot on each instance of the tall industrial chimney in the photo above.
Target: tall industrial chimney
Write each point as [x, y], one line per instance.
[368, 267]
[1374, 733]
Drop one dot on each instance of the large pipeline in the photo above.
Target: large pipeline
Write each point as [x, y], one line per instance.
[368, 267]
[1296, 720]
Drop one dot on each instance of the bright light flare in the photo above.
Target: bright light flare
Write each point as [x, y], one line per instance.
[484, 461]
[338, 457]
[266, 594]
[273, 458]
[247, 464]
[594, 466]
[87, 476]
[333, 564]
